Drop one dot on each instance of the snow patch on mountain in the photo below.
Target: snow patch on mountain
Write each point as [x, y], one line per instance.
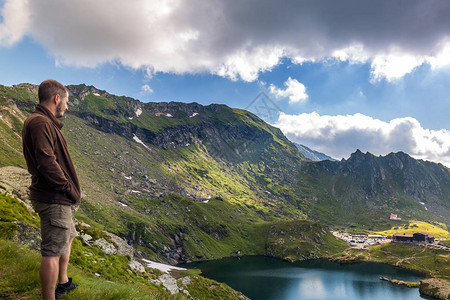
[162, 267]
[138, 140]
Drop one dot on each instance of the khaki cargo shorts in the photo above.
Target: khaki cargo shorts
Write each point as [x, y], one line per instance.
[57, 227]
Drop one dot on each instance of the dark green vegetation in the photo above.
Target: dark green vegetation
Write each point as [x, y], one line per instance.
[183, 182]
[296, 240]
[432, 262]
[429, 261]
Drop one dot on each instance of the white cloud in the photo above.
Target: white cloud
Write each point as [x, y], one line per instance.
[234, 39]
[354, 53]
[147, 89]
[15, 21]
[247, 64]
[339, 136]
[442, 57]
[295, 90]
[394, 65]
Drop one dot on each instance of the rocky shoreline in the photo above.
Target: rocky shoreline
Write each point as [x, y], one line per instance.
[435, 288]
[431, 287]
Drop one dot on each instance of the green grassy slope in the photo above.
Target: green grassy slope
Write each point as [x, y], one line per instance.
[11, 123]
[101, 276]
[19, 270]
[433, 262]
[298, 240]
[429, 261]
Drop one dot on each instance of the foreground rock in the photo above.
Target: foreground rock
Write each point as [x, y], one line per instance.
[436, 288]
[175, 286]
[15, 182]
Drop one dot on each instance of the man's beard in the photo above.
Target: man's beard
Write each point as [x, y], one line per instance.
[60, 110]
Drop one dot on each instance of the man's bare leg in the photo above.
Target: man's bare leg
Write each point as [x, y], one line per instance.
[48, 274]
[63, 265]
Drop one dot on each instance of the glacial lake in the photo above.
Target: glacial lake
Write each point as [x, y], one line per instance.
[264, 278]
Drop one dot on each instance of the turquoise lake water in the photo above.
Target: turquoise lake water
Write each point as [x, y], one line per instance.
[263, 278]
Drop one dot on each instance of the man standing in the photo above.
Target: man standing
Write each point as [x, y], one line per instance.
[54, 186]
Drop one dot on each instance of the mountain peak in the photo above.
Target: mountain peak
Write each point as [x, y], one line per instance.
[358, 154]
[82, 90]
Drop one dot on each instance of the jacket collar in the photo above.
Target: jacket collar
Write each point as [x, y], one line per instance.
[40, 109]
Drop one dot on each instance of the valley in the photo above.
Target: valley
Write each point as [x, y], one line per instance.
[184, 182]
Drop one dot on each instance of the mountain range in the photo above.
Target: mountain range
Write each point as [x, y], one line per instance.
[183, 182]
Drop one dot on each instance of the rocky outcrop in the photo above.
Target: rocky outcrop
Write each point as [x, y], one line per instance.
[173, 252]
[173, 285]
[15, 181]
[105, 246]
[136, 266]
[79, 92]
[115, 245]
[107, 242]
[123, 248]
[435, 288]
[27, 235]
[170, 283]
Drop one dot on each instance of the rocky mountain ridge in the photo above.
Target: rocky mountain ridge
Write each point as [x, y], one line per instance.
[312, 154]
[394, 183]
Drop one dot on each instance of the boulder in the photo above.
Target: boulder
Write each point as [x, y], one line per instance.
[86, 238]
[27, 235]
[106, 247]
[123, 248]
[170, 283]
[136, 266]
[186, 280]
[155, 281]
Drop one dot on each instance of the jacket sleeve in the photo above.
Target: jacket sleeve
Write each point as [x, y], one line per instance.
[47, 165]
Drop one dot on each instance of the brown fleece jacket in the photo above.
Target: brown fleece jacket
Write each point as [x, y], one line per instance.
[53, 176]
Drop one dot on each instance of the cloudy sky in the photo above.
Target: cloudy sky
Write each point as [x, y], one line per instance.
[335, 75]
